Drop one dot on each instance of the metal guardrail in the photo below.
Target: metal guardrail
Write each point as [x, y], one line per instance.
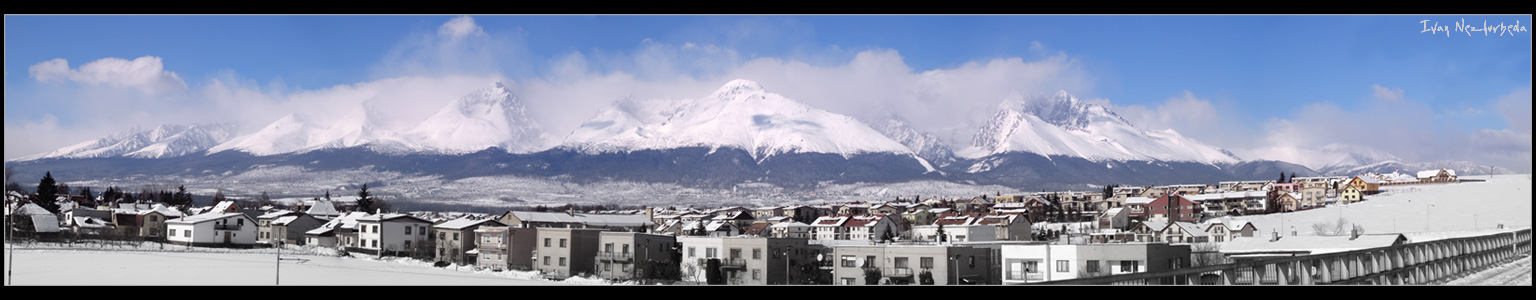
[1412, 263]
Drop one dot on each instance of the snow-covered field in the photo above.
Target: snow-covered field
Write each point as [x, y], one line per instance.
[1422, 212]
[64, 265]
[1514, 273]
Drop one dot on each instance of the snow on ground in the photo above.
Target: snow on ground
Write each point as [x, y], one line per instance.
[1514, 273]
[1422, 212]
[48, 264]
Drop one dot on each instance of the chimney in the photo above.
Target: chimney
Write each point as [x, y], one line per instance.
[1354, 234]
[1276, 236]
[570, 211]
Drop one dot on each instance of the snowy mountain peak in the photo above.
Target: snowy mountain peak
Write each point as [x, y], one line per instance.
[489, 117]
[768, 124]
[1061, 124]
[168, 140]
[736, 87]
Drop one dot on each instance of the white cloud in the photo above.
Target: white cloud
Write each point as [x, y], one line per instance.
[1516, 108]
[1193, 117]
[1388, 94]
[457, 47]
[145, 73]
[460, 27]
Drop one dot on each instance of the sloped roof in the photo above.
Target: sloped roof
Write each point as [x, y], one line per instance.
[1138, 200]
[1191, 228]
[757, 228]
[89, 222]
[830, 221]
[44, 223]
[1113, 211]
[589, 219]
[390, 217]
[789, 224]
[1310, 244]
[462, 223]
[275, 214]
[864, 221]
[996, 220]
[321, 208]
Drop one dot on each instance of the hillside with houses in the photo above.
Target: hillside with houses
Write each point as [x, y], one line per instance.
[910, 240]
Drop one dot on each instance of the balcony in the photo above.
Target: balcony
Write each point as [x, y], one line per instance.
[729, 263]
[896, 272]
[610, 256]
[226, 227]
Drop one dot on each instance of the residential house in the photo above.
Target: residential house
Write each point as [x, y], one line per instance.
[795, 230]
[1184, 232]
[392, 234]
[214, 229]
[566, 252]
[264, 232]
[1009, 227]
[1365, 184]
[340, 232]
[1313, 196]
[87, 221]
[143, 220]
[530, 219]
[912, 264]
[758, 229]
[856, 228]
[290, 229]
[1288, 202]
[1350, 194]
[1442, 175]
[455, 239]
[626, 255]
[505, 248]
[746, 260]
[321, 209]
[1038, 263]
[1221, 230]
[1137, 207]
[1117, 218]
[1173, 207]
[35, 221]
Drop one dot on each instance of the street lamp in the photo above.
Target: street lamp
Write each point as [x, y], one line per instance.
[786, 266]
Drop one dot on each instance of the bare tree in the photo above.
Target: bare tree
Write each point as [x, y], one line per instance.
[1325, 229]
[1206, 254]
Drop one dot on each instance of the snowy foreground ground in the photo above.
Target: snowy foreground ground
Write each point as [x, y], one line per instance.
[53, 265]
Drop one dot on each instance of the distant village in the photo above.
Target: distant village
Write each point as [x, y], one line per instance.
[909, 240]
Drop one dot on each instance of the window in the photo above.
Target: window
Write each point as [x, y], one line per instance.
[173, 232]
[562, 243]
[869, 261]
[709, 252]
[375, 244]
[847, 280]
[757, 274]
[901, 262]
[240, 222]
[735, 252]
[757, 253]
[407, 244]
[1128, 266]
[1093, 266]
[407, 230]
[971, 261]
[562, 261]
[926, 262]
[154, 218]
[186, 233]
[546, 260]
[849, 261]
[608, 248]
[626, 249]
[455, 236]
[546, 242]
[690, 252]
[1061, 266]
[444, 236]
[1032, 266]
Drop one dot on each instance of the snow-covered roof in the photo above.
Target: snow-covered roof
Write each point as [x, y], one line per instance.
[274, 214]
[89, 222]
[347, 221]
[1310, 244]
[390, 217]
[589, 219]
[1113, 211]
[321, 208]
[461, 223]
[1432, 173]
[45, 223]
[284, 220]
[1138, 200]
[1193, 229]
[205, 217]
[789, 224]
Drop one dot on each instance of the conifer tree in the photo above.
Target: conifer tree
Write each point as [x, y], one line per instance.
[47, 192]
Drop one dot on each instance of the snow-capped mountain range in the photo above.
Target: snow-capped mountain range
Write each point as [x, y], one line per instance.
[739, 115]
[741, 132]
[1062, 125]
[168, 140]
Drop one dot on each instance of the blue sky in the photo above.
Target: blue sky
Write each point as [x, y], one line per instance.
[1257, 85]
